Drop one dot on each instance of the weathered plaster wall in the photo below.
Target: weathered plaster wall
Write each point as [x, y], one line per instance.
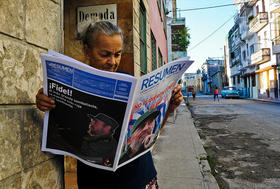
[157, 27]
[136, 37]
[27, 28]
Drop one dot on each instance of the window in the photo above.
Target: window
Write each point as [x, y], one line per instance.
[252, 49]
[238, 79]
[159, 58]
[143, 50]
[233, 80]
[154, 51]
[244, 55]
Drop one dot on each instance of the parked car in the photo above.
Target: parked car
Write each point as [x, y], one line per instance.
[230, 92]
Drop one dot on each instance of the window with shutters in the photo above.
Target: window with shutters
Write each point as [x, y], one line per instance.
[159, 58]
[143, 45]
[154, 51]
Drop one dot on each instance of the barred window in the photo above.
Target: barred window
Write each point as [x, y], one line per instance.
[143, 43]
[159, 58]
[154, 51]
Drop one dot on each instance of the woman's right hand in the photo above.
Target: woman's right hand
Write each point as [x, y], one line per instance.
[43, 102]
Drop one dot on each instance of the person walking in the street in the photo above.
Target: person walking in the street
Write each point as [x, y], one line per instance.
[193, 94]
[216, 94]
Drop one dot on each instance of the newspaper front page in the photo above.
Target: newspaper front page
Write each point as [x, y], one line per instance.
[104, 119]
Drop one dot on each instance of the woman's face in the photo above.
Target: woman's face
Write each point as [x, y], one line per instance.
[106, 52]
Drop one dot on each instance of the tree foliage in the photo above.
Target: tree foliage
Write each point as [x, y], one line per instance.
[182, 38]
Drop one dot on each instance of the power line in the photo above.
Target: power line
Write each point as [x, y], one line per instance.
[211, 33]
[211, 7]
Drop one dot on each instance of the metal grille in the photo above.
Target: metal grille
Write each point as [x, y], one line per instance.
[159, 58]
[154, 52]
[142, 28]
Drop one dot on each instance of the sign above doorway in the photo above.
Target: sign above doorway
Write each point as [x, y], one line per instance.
[91, 14]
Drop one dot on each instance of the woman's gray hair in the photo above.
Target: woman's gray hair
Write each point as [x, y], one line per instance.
[104, 27]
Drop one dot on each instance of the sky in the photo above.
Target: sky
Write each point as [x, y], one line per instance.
[202, 23]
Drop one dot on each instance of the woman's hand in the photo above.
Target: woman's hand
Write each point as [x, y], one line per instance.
[176, 99]
[149, 140]
[43, 102]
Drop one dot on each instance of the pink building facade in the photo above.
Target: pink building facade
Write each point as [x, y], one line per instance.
[158, 42]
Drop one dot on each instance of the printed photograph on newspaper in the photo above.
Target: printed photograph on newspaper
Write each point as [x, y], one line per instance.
[90, 111]
[152, 96]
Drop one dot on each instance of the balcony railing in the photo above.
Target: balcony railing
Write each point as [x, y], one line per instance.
[178, 21]
[274, 5]
[258, 22]
[260, 56]
[252, 3]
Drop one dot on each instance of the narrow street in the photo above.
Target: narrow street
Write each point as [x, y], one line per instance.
[242, 140]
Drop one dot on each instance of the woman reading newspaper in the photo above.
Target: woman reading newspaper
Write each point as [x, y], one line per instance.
[103, 42]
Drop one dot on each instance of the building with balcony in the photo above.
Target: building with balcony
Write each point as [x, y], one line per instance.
[234, 45]
[178, 27]
[275, 37]
[192, 80]
[244, 80]
[266, 74]
[258, 23]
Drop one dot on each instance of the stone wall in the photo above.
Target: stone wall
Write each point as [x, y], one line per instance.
[27, 28]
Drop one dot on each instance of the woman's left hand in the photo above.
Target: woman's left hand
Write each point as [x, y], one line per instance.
[176, 99]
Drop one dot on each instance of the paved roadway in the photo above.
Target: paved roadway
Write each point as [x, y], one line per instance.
[243, 136]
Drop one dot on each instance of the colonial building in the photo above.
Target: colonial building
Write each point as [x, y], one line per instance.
[248, 46]
[258, 23]
[213, 75]
[275, 37]
[192, 80]
[31, 27]
[178, 28]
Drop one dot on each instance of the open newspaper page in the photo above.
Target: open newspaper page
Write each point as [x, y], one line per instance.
[151, 100]
[92, 109]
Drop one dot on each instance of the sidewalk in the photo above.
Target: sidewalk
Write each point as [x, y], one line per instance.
[264, 100]
[178, 155]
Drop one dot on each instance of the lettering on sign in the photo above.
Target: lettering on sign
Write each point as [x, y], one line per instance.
[91, 14]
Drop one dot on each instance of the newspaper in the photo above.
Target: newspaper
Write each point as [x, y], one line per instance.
[104, 119]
